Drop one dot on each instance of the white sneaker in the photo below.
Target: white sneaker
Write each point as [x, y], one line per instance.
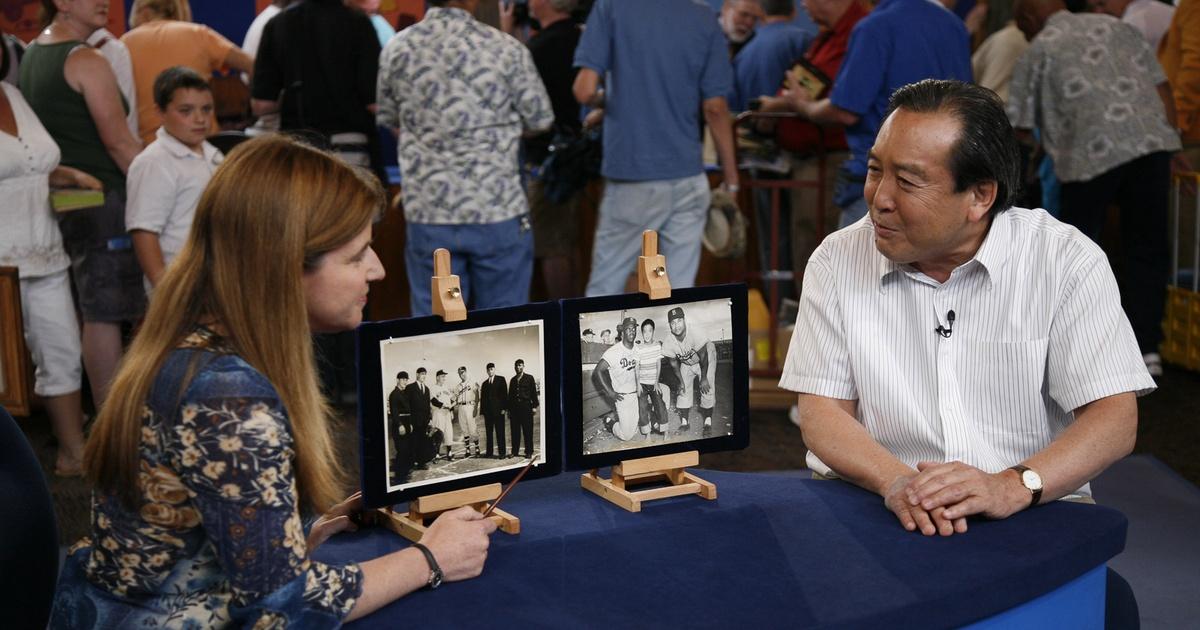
[1153, 363]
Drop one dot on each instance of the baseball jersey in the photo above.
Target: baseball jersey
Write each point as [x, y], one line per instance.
[622, 367]
[687, 350]
[649, 358]
[465, 394]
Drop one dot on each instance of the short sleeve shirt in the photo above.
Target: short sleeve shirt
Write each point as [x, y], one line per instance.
[759, 67]
[461, 93]
[164, 185]
[1039, 331]
[1089, 83]
[158, 45]
[649, 357]
[899, 42]
[622, 367]
[659, 60]
[686, 350]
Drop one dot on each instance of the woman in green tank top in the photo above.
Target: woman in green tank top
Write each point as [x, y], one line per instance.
[74, 93]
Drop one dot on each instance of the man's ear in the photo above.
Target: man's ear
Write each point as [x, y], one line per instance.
[982, 196]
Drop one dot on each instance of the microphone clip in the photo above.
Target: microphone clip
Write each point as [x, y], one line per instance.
[944, 331]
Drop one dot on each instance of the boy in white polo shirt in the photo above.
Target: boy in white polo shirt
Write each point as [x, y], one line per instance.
[166, 179]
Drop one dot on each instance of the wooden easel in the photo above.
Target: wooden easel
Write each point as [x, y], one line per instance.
[446, 291]
[448, 303]
[411, 524]
[653, 281]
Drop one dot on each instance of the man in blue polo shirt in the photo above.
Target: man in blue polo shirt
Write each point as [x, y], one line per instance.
[900, 42]
[759, 67]
[661, 63]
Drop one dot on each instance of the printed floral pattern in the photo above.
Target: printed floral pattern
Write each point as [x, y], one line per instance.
[217, 538]
[460, 92]
[1088, 81]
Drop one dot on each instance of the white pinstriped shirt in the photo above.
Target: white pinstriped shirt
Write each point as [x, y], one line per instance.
[1038, 332]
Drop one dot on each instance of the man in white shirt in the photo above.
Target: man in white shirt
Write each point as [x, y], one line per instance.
[953, 354]
[442, 401]
[617, 379]
[466, 409]
[694, 358]
[167, 178]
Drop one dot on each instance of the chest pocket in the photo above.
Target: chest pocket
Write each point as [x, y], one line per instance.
[1003, 385]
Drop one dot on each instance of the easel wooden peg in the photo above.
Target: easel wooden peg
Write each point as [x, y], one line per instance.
[632, 472]
[652, 269]
[446, 290]
[414, 523]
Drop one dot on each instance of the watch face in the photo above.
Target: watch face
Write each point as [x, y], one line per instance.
[1031, 480]
[435, 579]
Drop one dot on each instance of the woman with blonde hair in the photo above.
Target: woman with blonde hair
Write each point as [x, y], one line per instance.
[215, 436]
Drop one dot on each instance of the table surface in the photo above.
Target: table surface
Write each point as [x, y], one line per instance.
[773, 550]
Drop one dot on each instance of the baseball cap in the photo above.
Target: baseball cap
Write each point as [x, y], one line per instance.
[629, 321]
[675, 313]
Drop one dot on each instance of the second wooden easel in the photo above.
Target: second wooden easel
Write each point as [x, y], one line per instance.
[653, 281]
[448, 303]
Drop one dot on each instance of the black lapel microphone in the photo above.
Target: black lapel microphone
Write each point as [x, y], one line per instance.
[942, 330]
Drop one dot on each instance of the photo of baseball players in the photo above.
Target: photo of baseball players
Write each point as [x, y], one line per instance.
[463, 403]
[665, 377]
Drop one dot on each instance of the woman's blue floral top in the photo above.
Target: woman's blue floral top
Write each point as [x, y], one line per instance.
[217, 539]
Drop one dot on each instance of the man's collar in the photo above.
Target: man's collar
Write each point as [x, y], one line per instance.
[991, 255]
[448, 13]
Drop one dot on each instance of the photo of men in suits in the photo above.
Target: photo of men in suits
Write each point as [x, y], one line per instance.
[418, 403]
[493, 401]
[522, 403]
[427, 421]
[399, 428]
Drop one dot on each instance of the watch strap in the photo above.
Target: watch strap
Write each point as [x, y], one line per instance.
[435, 571]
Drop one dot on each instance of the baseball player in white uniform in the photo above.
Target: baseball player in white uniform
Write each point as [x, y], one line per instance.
[466, 409]
[618, 378]
[694, 358]
[442, 414]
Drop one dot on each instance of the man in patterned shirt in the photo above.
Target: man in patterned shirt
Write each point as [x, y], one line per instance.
[1093, 86]
[617, 379]
[693, 356]
[460, 94]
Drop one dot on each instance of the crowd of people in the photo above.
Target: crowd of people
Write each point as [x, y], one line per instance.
[225, 265]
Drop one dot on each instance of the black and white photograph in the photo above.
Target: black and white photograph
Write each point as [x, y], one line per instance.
[656, 375]
[463, 403]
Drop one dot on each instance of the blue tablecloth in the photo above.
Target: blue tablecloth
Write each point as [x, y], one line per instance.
[771, 551]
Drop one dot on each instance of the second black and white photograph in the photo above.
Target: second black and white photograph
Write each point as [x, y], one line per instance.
[465, 403]
[656, 375]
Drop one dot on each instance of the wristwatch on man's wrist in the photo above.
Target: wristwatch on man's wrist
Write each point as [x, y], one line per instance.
[435, 571]
[1032, 482]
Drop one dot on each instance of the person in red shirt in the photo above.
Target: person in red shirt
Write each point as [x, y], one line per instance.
[803, 138]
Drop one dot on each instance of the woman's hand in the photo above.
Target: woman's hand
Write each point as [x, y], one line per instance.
[337, 519]
[459, 542]
[67, 177]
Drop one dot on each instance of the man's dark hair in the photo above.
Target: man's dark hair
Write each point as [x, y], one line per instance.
[402, 375]
[520, 362]
[422, 370]
[778, 7]
[647, 321]
[986, 149]
[176, 78]
[490, 366]
[461, 368]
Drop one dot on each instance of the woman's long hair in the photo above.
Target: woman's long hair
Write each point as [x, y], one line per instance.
[269, 213]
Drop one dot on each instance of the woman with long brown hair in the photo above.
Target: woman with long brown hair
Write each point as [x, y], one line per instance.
[215, 438]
